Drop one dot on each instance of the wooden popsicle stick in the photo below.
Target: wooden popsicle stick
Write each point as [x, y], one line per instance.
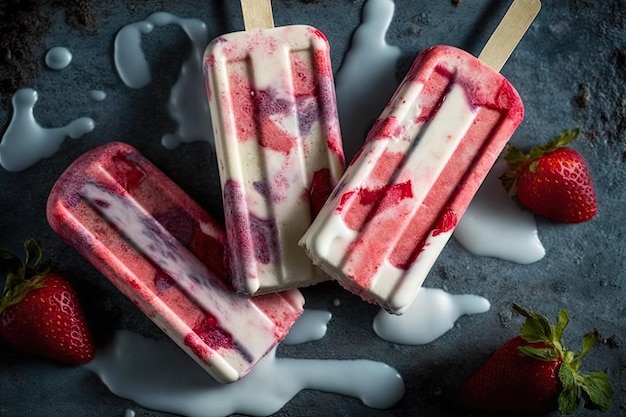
[509, 32]
[257, 14]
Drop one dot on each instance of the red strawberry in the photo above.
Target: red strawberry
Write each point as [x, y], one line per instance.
[534, 373]
[552, 180]
[39, 311]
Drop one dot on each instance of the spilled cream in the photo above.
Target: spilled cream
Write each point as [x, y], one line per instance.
[141, 369]
[25, 142]
[431, 315]
[188, 105]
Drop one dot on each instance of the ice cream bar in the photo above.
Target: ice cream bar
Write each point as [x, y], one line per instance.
[166, 254]
[424, 159]
[278, 144]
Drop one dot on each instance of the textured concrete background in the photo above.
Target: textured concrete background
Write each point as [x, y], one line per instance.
[574, 46]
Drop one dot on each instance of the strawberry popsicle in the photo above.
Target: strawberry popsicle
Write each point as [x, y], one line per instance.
[166, 254]
[278, 144]
[424, 159]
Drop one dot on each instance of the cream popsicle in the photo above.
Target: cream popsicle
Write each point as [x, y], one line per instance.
[400, 199]
[166, 254]
[278, 144]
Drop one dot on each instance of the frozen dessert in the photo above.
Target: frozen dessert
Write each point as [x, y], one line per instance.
[424, 159]
[278, 144]
[166, 254]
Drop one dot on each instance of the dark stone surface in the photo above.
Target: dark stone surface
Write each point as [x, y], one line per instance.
[570, 71]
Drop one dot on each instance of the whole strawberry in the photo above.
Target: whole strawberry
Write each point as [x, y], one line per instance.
[534, 373]
[552, 180]
[39, 310]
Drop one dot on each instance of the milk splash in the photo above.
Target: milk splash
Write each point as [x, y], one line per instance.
[140, 369]
[188, 105]
[25, 142]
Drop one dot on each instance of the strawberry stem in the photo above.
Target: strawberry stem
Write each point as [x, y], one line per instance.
[21, 276]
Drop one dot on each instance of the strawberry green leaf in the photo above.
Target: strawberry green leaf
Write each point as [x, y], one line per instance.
[599, 391]
[589, 341]
[508, 180]
[561, 323]
[569, 398]
[32, 249]
[536, 328]
[514, 156]
[543, 354]
[8, 255]
[566, 137]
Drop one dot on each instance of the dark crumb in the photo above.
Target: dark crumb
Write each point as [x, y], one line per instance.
[443, 272]
[582, 99]
[309, 1]
[613, 342]
[559, 287]
[583, 3]
[23, 24]
[591, 135]
[505, 318]
[457, 2]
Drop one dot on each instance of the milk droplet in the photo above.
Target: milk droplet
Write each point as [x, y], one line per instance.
[58, 58]
[97, 95]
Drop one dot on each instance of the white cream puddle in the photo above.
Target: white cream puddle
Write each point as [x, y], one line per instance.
[495, 225]
[431, 315]
[25, 142]
[140, 369]
[188, 105]
[366, 79]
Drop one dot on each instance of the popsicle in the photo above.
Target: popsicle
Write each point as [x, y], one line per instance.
[168, 256]
[272, 99]
[400, 199]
